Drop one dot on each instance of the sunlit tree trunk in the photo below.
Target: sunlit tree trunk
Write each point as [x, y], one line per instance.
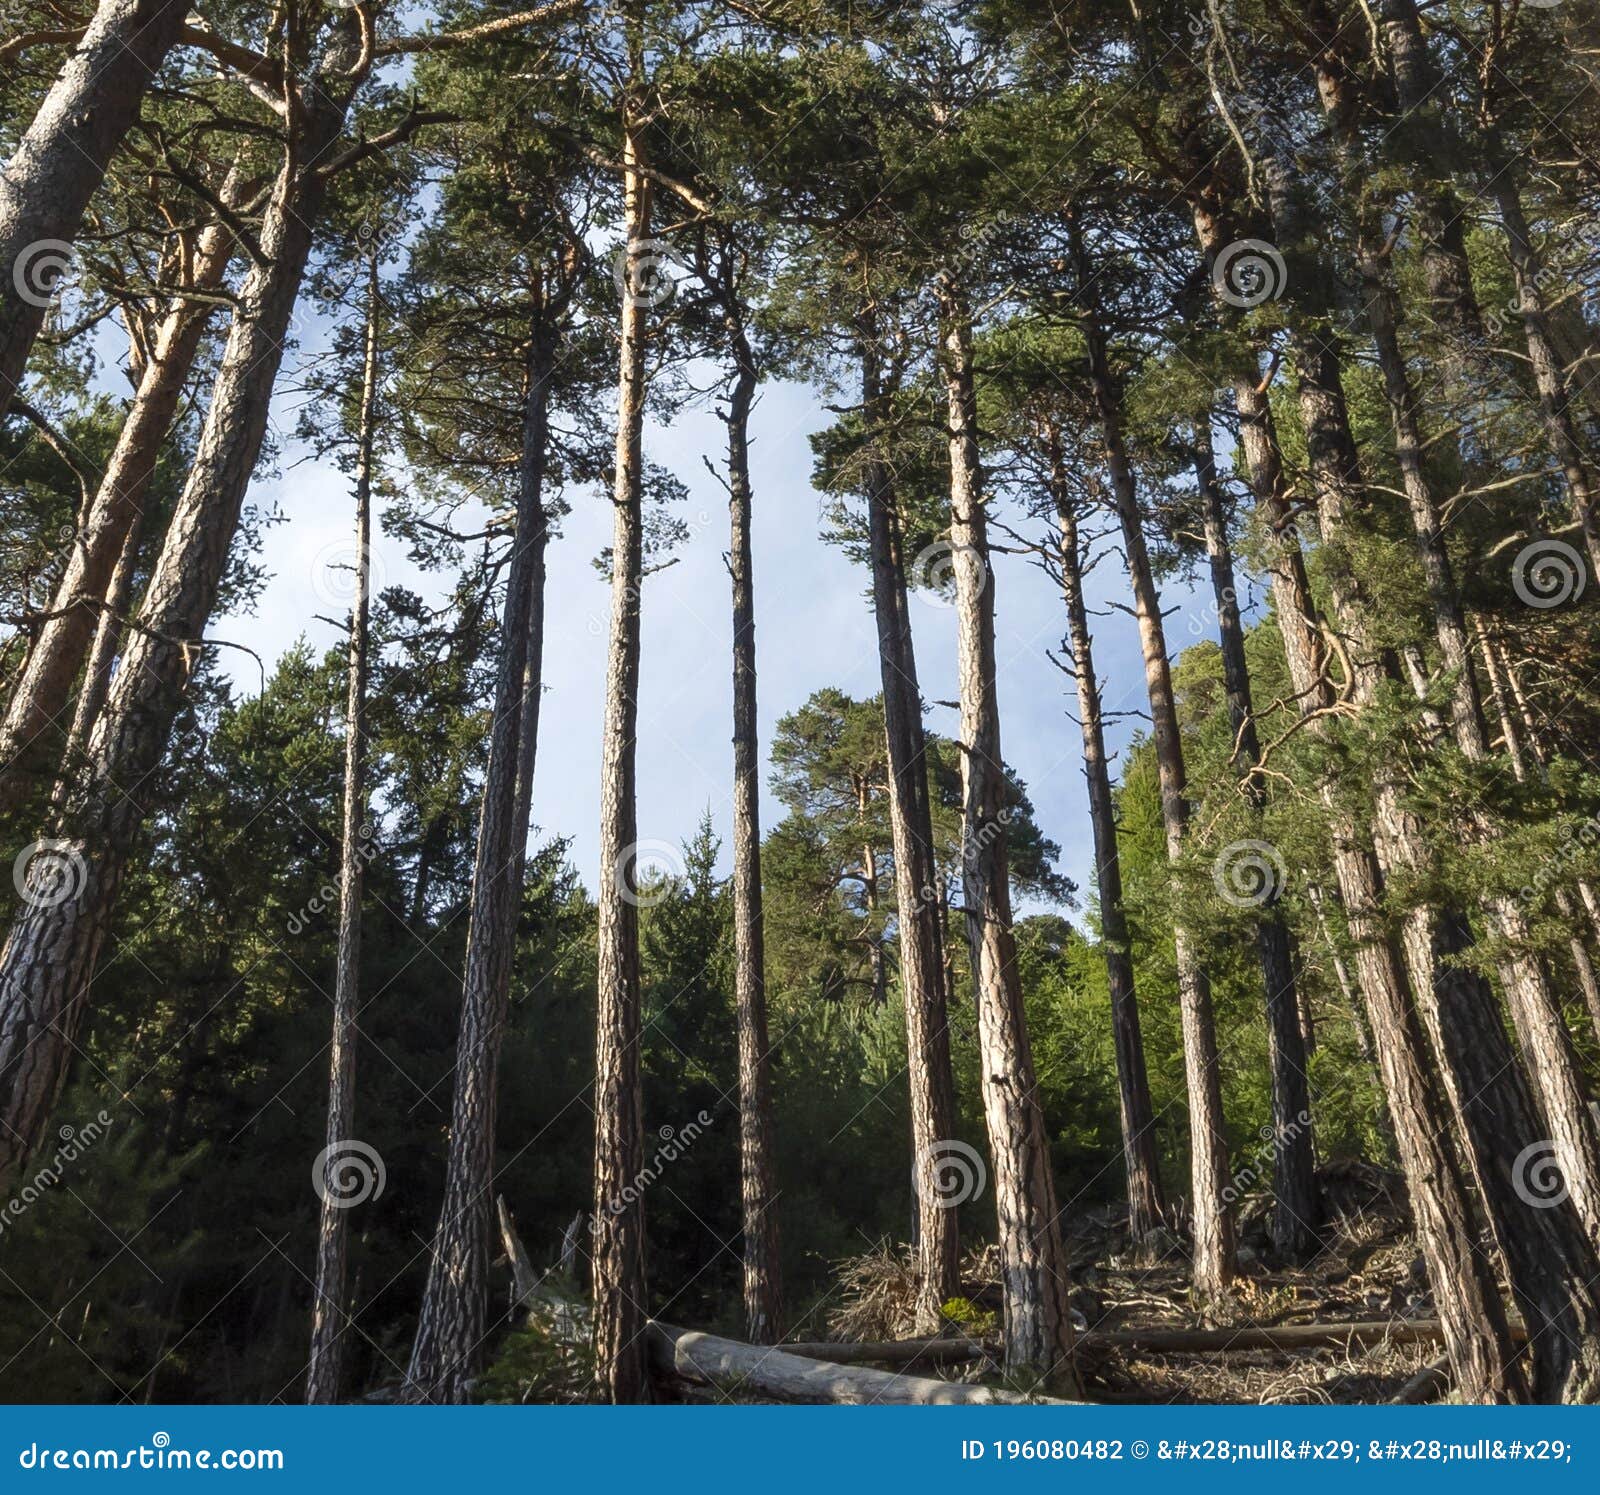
[328, 1310]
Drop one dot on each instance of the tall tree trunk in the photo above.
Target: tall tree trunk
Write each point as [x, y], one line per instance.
[328, 1311]
[55, 939]
[1535, 1009]
[44, 685]
[1214, 1242]
[930, 1080]
[1463, 1283]
[60, 161]
[763, 1280]
[1033, 1263]
[1296, 1207]
[1550, 1261]
[1526, 767]
[1141, 1161]
[451, 1327]
[620, 1308]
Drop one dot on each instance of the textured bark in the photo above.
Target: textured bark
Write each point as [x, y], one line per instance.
[328, 1311]
[36, 715]
[618, 1249]
[1296, 1209]
[1550, 1262]
[59, 163]
[1462, 1280]
[50, 953]
[1214, 1242]
[1549, 377]
[1033, 1263]
[763, 1281]
[1141, 1161]
[930, 1080]
[451, 1327]
[1535, 1009]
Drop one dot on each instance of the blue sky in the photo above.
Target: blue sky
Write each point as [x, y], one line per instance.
[813, 629]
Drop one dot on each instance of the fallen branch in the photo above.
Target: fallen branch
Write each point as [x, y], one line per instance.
[893, 1352]
[707, 1360]
[1284, 1337]
[1432, 1381]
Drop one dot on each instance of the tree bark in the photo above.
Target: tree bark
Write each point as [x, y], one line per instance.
[1033, 1263]
[1463, 1283]
[44, 685]
[1296, 1210]
[451, 1327]
[930, 1080]
[619, 1241]
[54, 941]
[328, 1310]
[59, 163]
[1141, 1161]
[763, 1280]
[1214, 1242]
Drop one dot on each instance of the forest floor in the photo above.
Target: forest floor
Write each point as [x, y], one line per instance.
[1368, 1271]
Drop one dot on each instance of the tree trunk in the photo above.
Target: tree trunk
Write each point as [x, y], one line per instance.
[1463, 1283]
[1550, 1261]
[1296, 1206]
[450, 1329]
[1033, 1263]
[930, 1080]
[59, 163]
[328, 1311]
[763, 1281]
[55, 939]
[619, 1242]
[1141, 1161]
[1211, 1181]
[44, 685]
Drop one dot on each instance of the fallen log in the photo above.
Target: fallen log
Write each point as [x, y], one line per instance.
[893, 1351]
[728, 1364]
[1281, 1337]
